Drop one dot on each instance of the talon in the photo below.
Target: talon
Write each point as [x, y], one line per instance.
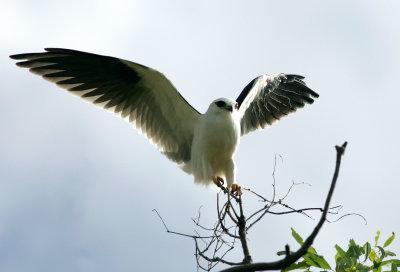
[218, 180]
[236, 190]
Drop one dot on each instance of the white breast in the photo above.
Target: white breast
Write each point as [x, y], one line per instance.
[215, 142]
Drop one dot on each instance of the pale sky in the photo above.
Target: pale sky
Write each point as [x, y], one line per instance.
[76, 184]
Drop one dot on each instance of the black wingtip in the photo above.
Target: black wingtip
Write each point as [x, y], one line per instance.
[17, 56]
[24, 56]
[299, 80]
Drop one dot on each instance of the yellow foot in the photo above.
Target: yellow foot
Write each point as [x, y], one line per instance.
[236, 190]
[218, 181]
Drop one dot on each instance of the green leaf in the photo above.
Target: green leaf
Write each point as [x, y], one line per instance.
[394, 268]
[354, 251]
[372, 255]
[367, 250]
[345, 262]
[312, 250]
[389, 240]
[377, 265]
[316, 260]
[383, 253]
[340, 253]
[297, 237]
[352, 243]
[390, 253]
[300, 265]
[309, 260]
[353, 261]
[377, 237]
[363, 268]
[391, 261]
[338, 258]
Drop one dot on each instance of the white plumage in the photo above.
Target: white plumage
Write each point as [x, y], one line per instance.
[216, 139]
[201, 144]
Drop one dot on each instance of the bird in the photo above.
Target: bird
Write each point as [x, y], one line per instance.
[203, 145]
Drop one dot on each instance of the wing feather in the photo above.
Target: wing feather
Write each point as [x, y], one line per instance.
[141, 95]
[268, 98]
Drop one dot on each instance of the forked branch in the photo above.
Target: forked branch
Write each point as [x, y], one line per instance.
[289, 259]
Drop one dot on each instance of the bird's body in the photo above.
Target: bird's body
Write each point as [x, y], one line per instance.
[201, 144]
[216, 139]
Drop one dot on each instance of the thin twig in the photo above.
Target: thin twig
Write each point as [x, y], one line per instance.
[221, 219]
[357, 214]
[217, 259]
[273, 177]
[268, 207]
[291, 186]
[178, 233]
[256, 194]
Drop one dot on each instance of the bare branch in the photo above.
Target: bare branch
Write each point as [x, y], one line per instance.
[256, 194]
[196, 221]
[272, 202]
[178, 233]
[291, 186]
[273, 177]
[357, 214]
[292, 258]
[243, 234]
[217, 259]
[221, 219]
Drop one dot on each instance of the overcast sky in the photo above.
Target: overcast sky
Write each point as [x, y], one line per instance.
[78, 185]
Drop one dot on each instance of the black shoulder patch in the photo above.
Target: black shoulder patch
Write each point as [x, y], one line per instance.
[125, 73]
[245, 92]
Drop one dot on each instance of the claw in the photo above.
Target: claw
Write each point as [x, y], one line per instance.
[236, 189]
[218, 181]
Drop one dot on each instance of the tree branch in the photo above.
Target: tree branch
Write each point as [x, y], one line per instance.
[292, 258]
[178, 233]
[243, 235]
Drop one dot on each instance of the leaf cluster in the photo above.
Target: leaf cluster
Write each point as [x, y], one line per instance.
[376, 258]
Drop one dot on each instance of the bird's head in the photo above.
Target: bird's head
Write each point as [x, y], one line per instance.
[223, 105]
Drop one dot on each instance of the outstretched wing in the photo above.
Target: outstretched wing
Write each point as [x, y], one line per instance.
[268, 98]
[143, 96]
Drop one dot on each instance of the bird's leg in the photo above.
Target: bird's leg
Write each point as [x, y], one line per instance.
[219, 182]
[236, 189]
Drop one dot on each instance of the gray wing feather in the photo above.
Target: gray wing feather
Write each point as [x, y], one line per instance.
[268, 98]
[141, 95]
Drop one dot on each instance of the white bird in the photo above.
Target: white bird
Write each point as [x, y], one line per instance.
[201, 144]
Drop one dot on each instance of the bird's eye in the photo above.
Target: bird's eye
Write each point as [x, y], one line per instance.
[220, 103]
